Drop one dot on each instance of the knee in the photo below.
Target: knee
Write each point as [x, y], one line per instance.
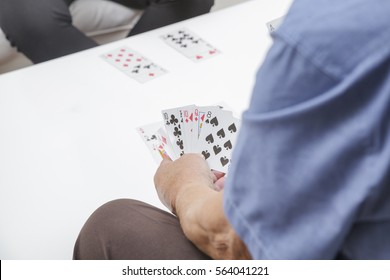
[103, 230]
[21, 24]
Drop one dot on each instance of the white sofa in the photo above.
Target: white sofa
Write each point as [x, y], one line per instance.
[102, 20]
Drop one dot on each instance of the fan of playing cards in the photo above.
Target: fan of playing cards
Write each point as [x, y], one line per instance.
[209, 130]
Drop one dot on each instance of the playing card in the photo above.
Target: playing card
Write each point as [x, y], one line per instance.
[133, 64]
[164, 146]
[173, 120]
[206, 113]
[149, 135]
[274, 24]
[189, 124]
[190, 45]
[218, 138]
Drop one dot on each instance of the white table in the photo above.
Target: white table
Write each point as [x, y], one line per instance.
[67, 127]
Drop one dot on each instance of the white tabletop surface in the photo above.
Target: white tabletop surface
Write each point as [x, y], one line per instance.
[67, 127]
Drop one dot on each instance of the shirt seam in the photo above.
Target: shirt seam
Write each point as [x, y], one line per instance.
[304, 53]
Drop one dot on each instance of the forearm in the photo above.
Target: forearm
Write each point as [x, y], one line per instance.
[201, 215]
[186, 187]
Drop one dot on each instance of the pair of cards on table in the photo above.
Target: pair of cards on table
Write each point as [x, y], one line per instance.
[142, 69]
[209, 130]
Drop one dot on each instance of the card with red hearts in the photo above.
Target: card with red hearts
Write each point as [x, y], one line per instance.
[133, 64]
[190, 45]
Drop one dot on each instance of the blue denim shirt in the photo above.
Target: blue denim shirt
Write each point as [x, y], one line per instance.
[310, 177]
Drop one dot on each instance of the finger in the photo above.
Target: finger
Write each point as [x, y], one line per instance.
[220, 184]
[218, 174]
[165, 160]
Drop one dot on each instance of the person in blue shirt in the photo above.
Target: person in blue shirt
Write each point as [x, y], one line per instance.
[311, 172]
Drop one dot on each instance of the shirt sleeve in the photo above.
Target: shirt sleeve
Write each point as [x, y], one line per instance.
[298, 178]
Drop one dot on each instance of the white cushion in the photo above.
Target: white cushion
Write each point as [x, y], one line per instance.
[93, 17]
[96, 17]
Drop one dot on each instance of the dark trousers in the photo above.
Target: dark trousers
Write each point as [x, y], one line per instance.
[127, 229]
[43, 30]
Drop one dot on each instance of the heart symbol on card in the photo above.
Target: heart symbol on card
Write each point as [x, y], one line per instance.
[199, 57]
[221, 133]
[228, 145]
[206, 154]
[217, 149]
[224, 161]
[232, 128]
[214, 121]
[212, 52]
[210, 139]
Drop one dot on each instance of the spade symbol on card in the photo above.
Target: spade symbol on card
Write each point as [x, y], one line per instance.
[224, 161]
[221, 133]
[206, 154]
[217, 149]
[232, 128]
[210, 139]
[214, 121]
[228, 145]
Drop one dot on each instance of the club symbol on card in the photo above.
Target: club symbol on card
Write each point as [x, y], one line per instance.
[224, 161]
[206, 154]
[228, 145]
[210, 139]
[217, 149]
[232, 128]
[214, 121]
[176, 131]
[221, 133]
[173, 120]
[180, 144]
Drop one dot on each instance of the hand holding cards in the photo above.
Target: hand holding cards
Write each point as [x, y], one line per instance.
[211, 131]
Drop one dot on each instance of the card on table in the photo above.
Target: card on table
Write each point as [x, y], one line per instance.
[190, 45]
[209, 130]
[133, 64]
[273, 25]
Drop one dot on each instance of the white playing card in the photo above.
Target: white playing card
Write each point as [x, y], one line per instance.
[190, 45]
[133, 64]
[206, 113]
[165, 146]
[218, 139]
[173, 125]
[189, 124]
[274, 24]
[149, 135]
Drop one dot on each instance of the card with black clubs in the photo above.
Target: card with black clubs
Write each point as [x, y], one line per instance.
[190, 45]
